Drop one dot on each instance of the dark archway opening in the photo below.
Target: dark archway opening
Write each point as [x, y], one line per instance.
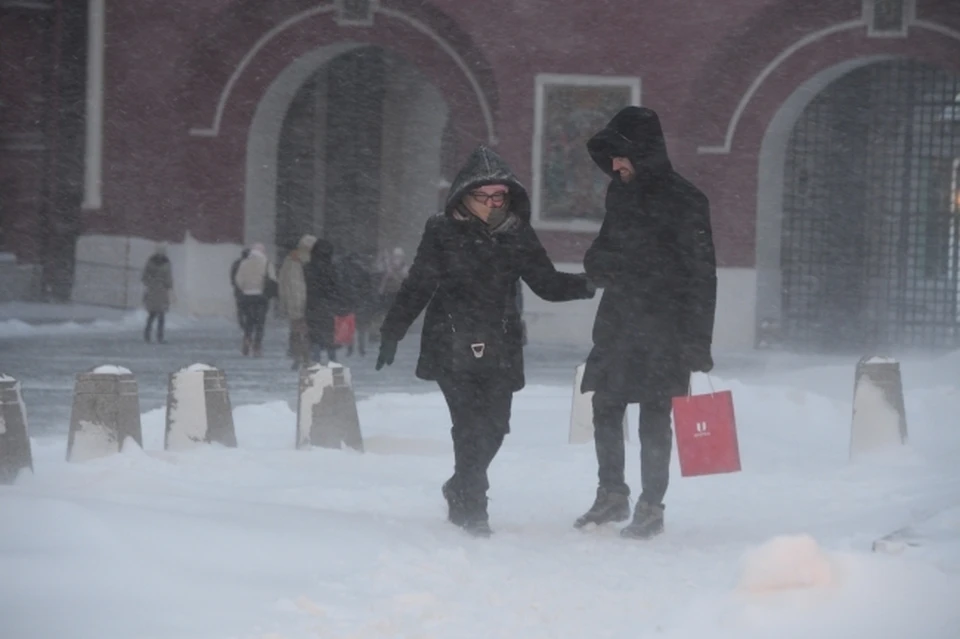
[870, 244]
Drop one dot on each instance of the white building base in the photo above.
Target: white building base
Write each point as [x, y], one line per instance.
[571, 323]
[108, 271]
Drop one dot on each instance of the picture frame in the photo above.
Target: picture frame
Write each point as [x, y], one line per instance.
[568, 187]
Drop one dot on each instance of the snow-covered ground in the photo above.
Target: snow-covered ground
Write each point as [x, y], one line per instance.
[23, 319]
[267, 542]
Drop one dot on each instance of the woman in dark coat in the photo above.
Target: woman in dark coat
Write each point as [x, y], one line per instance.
[323, 300]
[466, 273]
[157, 281]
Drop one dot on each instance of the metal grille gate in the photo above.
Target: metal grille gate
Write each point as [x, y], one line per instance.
[870, 247]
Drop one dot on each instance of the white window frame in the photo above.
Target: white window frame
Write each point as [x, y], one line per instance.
[909, 15]
[542, 81]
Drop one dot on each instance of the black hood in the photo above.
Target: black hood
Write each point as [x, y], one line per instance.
[634, 133]
[483, 167]
[322, 252]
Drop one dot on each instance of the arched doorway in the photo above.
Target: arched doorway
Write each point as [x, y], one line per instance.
[360, 154]
[869, 237]
[350, 143]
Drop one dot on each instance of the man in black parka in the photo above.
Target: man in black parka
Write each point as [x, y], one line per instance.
[466, 273]
[654, 258]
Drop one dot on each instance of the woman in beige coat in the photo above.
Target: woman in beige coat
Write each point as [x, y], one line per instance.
[293, 299]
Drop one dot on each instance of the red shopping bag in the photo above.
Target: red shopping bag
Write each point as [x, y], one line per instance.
[344, 328]
[706, 434]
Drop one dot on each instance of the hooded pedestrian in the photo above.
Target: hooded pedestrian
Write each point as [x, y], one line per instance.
[157, 282]
[654, 258]
[293, 299]
[465, 273]
[257, 281]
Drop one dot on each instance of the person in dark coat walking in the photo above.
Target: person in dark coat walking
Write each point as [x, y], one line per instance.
[323, 300]
[466, 274]
[359, 296]
[157, 282]
[654, 258]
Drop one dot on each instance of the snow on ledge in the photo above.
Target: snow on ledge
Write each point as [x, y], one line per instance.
[881, 360]
[199, 368]
[111, 370]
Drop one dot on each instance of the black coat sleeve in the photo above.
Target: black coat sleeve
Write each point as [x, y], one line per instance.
[700, 301]
[418, 287]
[544, 279]
[606, 261]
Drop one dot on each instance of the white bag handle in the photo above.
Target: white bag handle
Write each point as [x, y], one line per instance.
[713, 391]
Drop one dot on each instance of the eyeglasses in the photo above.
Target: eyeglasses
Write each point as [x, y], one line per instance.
[496, 199]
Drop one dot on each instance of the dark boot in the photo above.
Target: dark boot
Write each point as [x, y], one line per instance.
[478, 527]
[245, 349]
[456, 514]
[608, 507]
[476, 521]
[647, 522]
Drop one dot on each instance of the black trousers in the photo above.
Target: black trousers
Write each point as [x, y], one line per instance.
[158, 317]
[253, 317]
[656, 444]
[480, 411]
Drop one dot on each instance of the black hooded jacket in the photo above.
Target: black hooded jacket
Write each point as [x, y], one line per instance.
[466, 274]
[654, 257]
[324, 297]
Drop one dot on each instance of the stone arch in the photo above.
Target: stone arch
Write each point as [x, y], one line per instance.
[250, 54]
[766, 132]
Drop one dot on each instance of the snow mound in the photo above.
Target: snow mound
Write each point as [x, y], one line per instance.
[111, 370]
[6, 378]
[787, 563]
[881, 360]
[199, 368]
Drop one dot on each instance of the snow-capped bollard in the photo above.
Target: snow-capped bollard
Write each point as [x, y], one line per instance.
[15, 452]
[879, 416]
[106, 410]
[198, 409]
[327, 409]
[581, 415]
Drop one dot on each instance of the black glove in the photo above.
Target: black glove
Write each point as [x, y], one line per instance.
[699, 360]
[591, 287]
[388, 351]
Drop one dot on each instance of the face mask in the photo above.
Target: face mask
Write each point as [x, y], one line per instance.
[497, 217]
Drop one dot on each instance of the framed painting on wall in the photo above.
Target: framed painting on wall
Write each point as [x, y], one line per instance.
[568, 188]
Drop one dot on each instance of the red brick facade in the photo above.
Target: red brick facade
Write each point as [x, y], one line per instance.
[182, 81]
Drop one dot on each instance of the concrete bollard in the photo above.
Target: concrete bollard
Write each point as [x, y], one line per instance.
[879, 416]
[106, 411]
[581, 415]
[198, 409]
[15, 452]
[327, 409]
